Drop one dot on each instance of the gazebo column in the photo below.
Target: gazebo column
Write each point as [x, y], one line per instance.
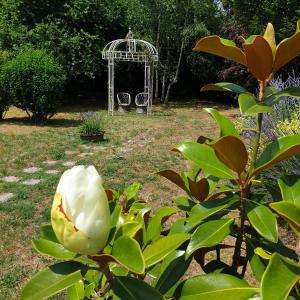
[111, 86]
[148, 86]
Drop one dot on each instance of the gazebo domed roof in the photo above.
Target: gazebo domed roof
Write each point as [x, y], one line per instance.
[130, 49]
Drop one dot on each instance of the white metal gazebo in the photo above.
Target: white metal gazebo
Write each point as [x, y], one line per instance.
[131, 50]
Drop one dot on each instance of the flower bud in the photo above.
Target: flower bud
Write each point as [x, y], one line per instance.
[80, 213]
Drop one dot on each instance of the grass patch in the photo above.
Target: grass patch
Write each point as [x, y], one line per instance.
[136, 148]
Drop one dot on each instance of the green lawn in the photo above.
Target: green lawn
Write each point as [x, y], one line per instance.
[136, 148]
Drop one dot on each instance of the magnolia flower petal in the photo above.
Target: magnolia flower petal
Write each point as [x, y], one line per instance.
[82, 215]
[69, 236]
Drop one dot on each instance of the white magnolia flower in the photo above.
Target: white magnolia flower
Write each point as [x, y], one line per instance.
[80, 213]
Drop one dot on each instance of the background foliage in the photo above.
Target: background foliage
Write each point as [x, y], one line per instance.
[75, 32]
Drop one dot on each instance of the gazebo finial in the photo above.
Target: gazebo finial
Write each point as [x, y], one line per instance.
[129, 35]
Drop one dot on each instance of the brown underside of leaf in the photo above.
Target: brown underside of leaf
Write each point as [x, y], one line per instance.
[259, 58]
[199, 189]
[232, 152]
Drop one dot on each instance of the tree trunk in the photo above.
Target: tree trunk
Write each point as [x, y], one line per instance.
[175, 79]
[156, 69]
[163, 87]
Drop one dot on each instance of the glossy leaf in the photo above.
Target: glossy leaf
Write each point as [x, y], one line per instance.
[250, 106]
[263, 221]
[47, 233]
[290, 189]
[130, 288]
[129, 229]
[259, 57]
[256, 263]
[163, 247]
[52, 249]
[184, 203]
[287, 49]
[232, 152]
[207, 209]
[199, 189]
[279, 278]
[221, 47]
[216, 286]
[276, 97]
[173, 177]
[226, 126]
[131, 191]
[209, 234]
[154, 227]
[115, 215]
[172, 269]
[270, 37]
[76, 291]
[204, 157]
[277, 151]
[127, 251]
[224, 87]
[289, 211]
[52, 280]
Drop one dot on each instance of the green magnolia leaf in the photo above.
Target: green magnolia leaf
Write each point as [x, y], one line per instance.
[76, 291]
[52, 249]
[207, 209]
[277, 151]
[115, 216]
[154, 227]
[289, 92]
[224, 87]
[287, 49]
[129, 229]
[270, 37]
[127, 251]
[131, 191]
[222, 47]
[231, 151]
[52, 280]
[290, 189]
[172, 269]
[174, 177]
[163, 247]
[249, 105]
[226, 126]
[279, 278]
[204, 157]
[130, 288]
[90, 290]
[209, 234]
[47, 233]
[216, 286]
[289, 211]
[263, 221]
[256, 263]
[185, 203]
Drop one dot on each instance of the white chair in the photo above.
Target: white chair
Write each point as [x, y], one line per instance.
[124, 101]
[142, 102]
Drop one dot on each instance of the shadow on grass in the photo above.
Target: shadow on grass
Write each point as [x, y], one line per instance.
[57, 122]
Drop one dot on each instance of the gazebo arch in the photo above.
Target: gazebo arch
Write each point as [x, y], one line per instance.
[131, 50]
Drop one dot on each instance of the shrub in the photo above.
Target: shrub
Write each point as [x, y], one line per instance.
[4, 103]
[32, 81]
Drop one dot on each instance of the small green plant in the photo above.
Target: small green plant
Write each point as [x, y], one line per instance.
[32, 81]
[91, 124]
